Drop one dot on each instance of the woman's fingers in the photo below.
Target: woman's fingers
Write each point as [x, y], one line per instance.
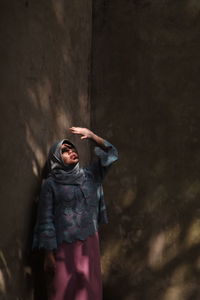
[78, 130]
[73, 129]
[49, 262]
[85, 132]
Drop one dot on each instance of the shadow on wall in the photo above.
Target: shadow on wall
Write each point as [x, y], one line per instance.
[45, 70]
[146, 64]
[154, 249]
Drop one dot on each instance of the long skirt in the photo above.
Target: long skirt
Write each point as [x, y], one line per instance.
[78, 271]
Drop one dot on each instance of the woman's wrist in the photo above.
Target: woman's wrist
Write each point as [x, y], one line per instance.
[91, 135]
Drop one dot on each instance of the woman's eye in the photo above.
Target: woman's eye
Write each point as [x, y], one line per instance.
[67, 149]
[64, 150]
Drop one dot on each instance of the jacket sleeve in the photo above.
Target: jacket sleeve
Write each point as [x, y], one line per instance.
[106, 158]
[44, 231]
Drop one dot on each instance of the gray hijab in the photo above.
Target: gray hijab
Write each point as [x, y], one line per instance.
[61, 172]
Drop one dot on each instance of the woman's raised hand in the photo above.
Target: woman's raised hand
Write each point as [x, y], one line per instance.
[88, 134]
[84, 132]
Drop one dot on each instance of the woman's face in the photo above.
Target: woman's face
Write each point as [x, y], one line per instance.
[69, 154]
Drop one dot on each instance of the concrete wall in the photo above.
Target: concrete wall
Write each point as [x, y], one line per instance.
[45, 64]
[145, 99]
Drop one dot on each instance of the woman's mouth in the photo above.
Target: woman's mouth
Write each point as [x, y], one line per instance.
[73, 156]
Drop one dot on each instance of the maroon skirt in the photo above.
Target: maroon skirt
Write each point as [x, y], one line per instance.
[78, 271]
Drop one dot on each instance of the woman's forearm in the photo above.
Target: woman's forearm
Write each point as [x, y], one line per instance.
[98, 140]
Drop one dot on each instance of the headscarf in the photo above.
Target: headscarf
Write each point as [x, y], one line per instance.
[61, 172]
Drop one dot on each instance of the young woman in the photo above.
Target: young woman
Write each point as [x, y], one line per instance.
[71, 207]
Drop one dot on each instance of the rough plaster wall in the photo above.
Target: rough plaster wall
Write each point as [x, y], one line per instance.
[45, 64]
[145, 99]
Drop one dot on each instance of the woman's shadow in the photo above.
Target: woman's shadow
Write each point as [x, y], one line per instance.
[40, 280]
